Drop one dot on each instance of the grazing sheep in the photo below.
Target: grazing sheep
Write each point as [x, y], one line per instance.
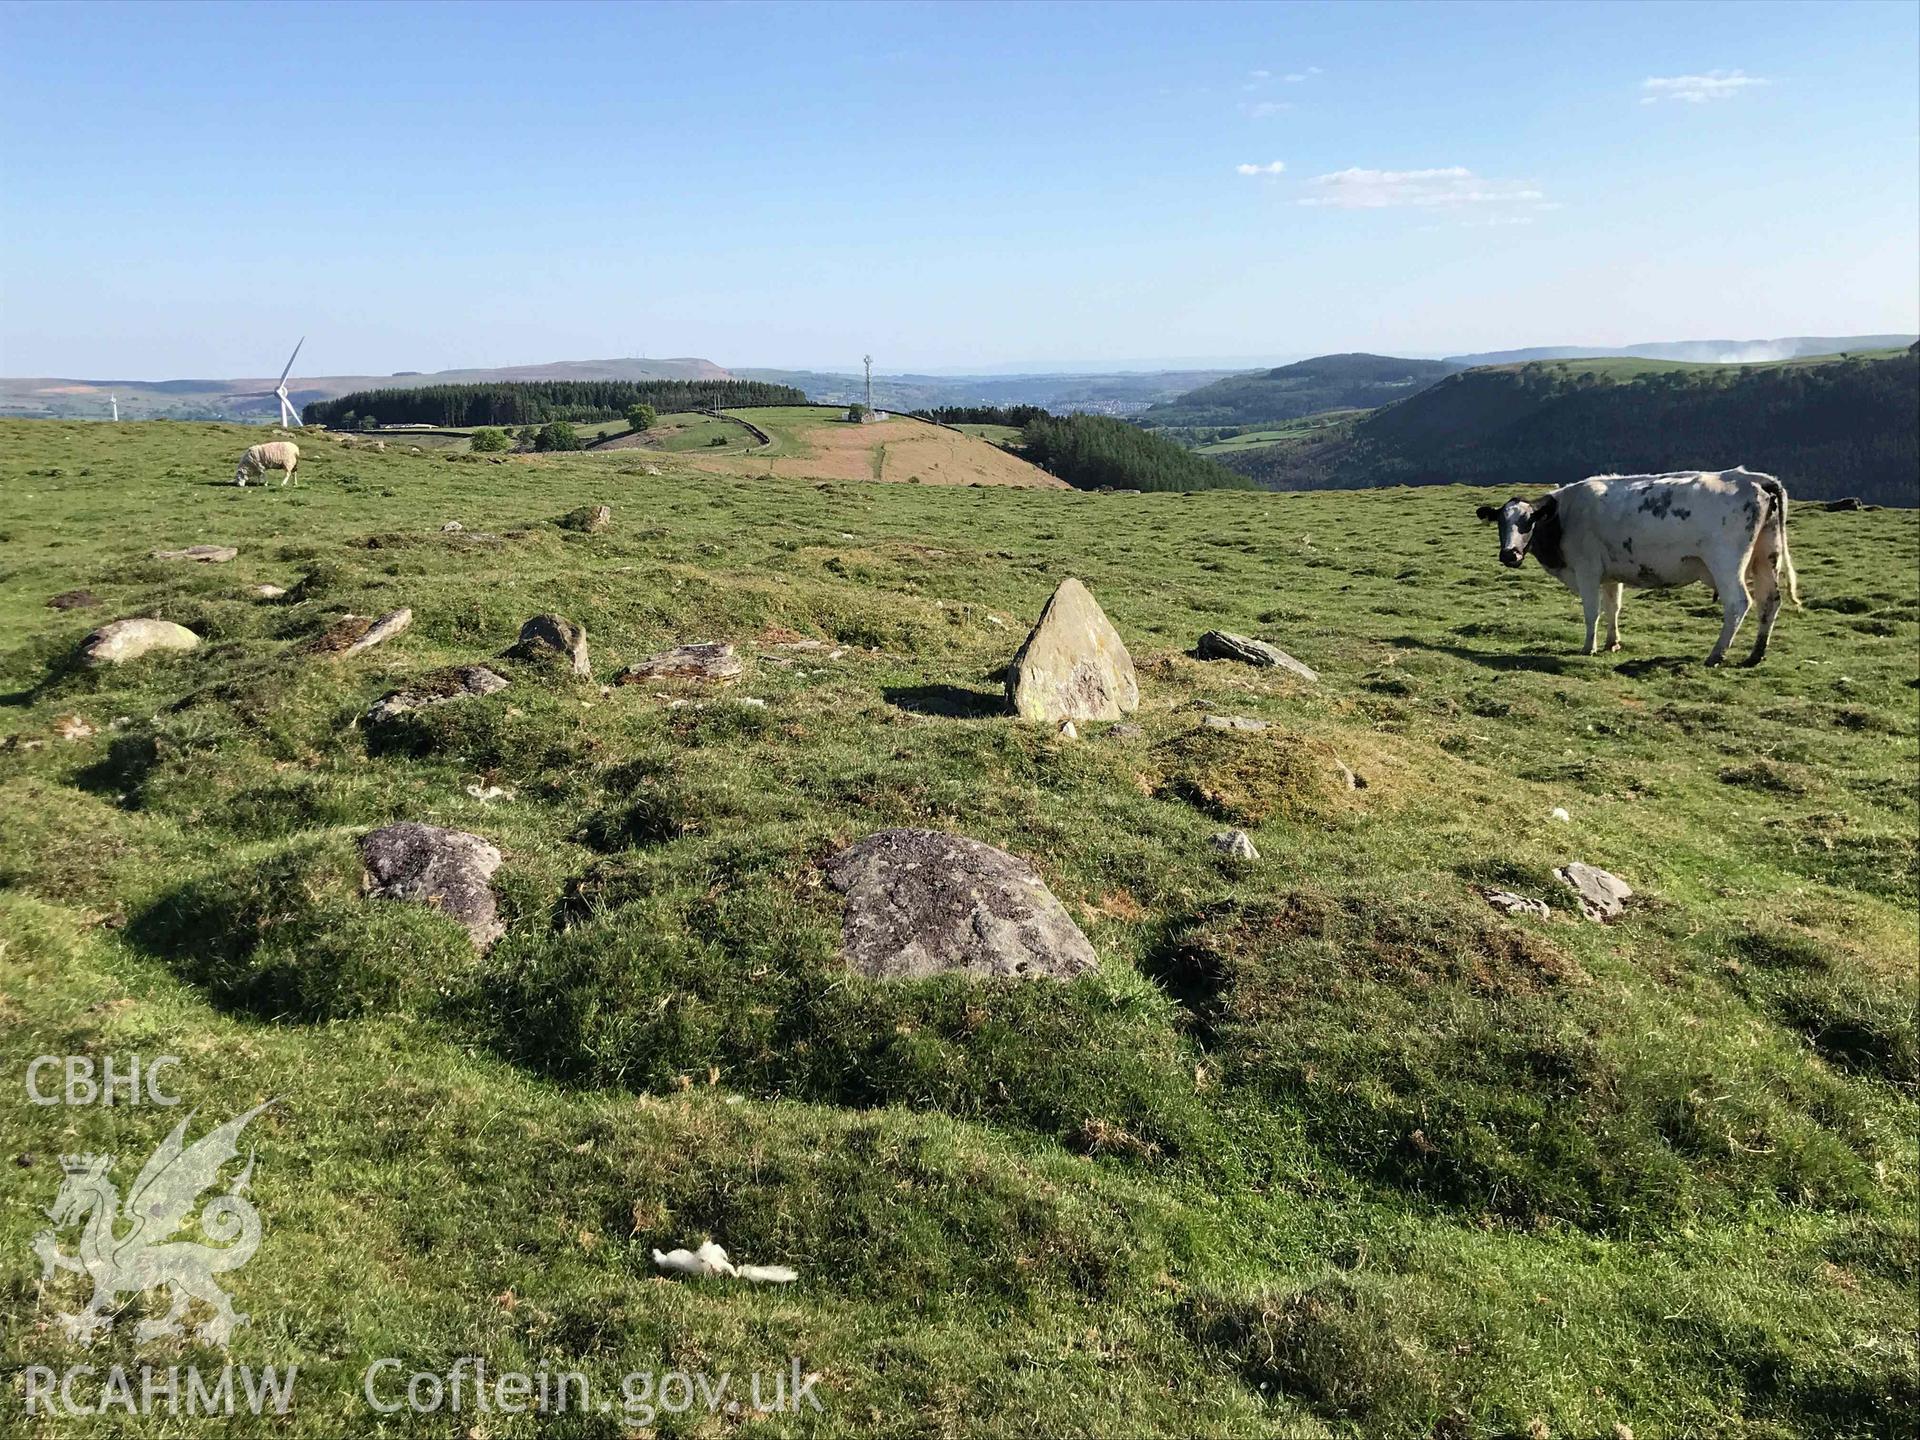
[274, 455]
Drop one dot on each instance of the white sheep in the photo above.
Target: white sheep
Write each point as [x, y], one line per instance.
[274, 455]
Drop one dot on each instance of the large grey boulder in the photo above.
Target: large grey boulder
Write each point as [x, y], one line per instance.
[1602, 896]
[455, 684]
[922, 903]
[450, 870]
[205, 554]
[130, 639]
[551, 637]
[1225, 645]
[1074, 665]
[703, 660]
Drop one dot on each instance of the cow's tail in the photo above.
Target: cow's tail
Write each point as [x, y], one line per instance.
[1777, 518]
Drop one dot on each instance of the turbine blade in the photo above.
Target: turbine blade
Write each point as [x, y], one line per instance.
[290, 359]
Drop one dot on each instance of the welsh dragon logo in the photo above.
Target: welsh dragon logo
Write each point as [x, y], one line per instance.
[146, 1256]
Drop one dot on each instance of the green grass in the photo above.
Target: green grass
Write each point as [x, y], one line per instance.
[1325, 1147]
[1273, 434]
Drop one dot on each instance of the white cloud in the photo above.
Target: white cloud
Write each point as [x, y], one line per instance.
[1264, 109]
[1294, 77]
[1697, 89]
[1453, 185]
[1272, 167]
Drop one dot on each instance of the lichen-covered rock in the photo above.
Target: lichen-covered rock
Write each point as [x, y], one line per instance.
[1225, 645]
[455, 684]
[1074, 665]
[588, 519]
[704, 660]
[125, 640]
[1602, 896]
[1236, 843]
[354, 633]
[450, 870]
[205, 554]
[553, 637]
[922, 903]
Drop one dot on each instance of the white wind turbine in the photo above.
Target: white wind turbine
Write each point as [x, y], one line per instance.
[289, 417]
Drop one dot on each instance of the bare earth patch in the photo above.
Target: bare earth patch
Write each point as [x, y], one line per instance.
[908, 450]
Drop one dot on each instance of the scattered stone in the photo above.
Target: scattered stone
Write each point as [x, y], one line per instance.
[703, 660]
[351, 634]
[486, 794]
[73, 600]
[589, 519]
[452, 527]
[649, 469]
[72, 727]
[205, 554]
[129, 639]
[1067, 730]
[754, 701]
[1846, 502]
[1354, 781]
[1225, 645]
[1559, 812]
[267, 592]
[1232, 722]
[922, 903]
[1514, 904]
[547, 637]
[1236, 843]
[447, 869]
[1125, 730]
[382, 630]
[455, 684]
[1602, 896]
[1074, 665]
[996, 622]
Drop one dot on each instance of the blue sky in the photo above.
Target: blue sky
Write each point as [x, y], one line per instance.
[186, 189]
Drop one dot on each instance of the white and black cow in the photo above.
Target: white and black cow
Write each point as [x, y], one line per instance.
[1598, 536]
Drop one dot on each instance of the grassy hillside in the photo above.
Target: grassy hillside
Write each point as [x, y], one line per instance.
[1326, 1146]
[1326, 382]
[1828, 427]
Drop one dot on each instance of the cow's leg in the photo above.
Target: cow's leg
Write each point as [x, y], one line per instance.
[1766, 585]
[1734, 604]
[1611, 595]
[1590, 606]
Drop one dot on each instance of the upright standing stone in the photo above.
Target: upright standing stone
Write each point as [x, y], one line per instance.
[546, 637]
[1074, 665]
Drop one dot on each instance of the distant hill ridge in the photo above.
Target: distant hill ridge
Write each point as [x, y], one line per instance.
[1828, 427]
[1327, 382]
[247, 399]
[1706, 352]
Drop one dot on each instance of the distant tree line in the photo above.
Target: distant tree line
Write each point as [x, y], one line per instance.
[1828, 429]
[1014, 415]
[1093, 452]
[536, 402]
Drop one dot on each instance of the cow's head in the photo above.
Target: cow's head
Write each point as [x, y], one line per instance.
[1518, 519]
